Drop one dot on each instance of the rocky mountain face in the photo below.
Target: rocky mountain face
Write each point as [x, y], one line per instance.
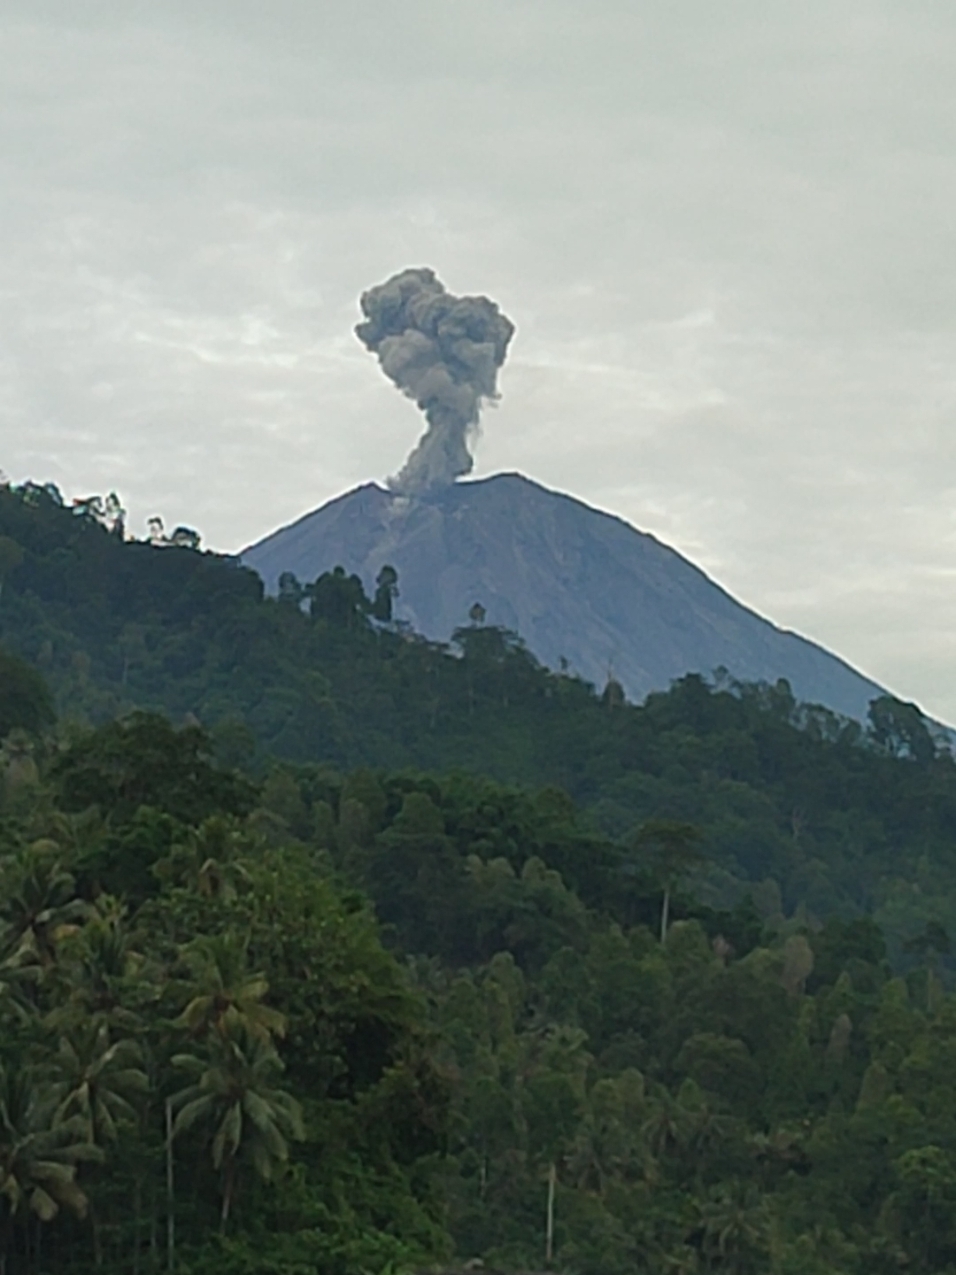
[578, 585]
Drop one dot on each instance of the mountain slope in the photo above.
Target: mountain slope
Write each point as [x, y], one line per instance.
[577, 584]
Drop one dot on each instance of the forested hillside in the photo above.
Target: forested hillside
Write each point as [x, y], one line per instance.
[813, 811]
[325, 949]
[379, 1022]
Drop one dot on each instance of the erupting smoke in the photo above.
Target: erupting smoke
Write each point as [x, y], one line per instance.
[444, 352]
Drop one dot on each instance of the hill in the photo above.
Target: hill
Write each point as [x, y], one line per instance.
[372, 1024]
[321, 1016]
[584, 589]
[827, 814]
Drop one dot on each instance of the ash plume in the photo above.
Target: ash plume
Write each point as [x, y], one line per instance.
[444, 352]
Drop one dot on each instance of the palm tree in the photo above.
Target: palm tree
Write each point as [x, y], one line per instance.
[682, 1260]
[39, 907]
[103, 973]
[96, 1083]
[207, 860]
[233, 1095]
[668, 1127]
[600, 1147]
[735, 1230]
[38, 1156]
[17, 998]
[669, 849]
[225, 997]
[94, 1086]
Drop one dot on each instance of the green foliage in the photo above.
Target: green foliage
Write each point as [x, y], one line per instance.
[232, 1095]
[39, 1153]
[25, 702]
[787, 797]
[466, 954]
[244, 989]
[142, 761]
[785, 1104]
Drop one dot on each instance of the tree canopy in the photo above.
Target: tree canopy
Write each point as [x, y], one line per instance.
[327, 949]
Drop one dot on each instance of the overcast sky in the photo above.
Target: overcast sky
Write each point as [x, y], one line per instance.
[725, 231]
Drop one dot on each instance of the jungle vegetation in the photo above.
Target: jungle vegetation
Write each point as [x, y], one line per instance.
[326, 949]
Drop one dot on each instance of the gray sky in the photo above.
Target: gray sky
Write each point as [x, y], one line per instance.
[725, 232]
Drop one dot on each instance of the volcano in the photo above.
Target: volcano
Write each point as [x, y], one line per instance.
[585, 590]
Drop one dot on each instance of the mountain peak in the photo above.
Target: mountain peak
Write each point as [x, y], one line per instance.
[583, 588]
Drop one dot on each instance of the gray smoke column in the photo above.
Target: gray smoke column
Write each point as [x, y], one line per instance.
[444, 352]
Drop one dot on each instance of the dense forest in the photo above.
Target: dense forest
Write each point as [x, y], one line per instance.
[327, 949]
[813, 810]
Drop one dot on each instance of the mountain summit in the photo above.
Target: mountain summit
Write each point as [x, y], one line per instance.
[577, 584]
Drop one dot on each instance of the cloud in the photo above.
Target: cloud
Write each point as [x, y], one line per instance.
[724, 234]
